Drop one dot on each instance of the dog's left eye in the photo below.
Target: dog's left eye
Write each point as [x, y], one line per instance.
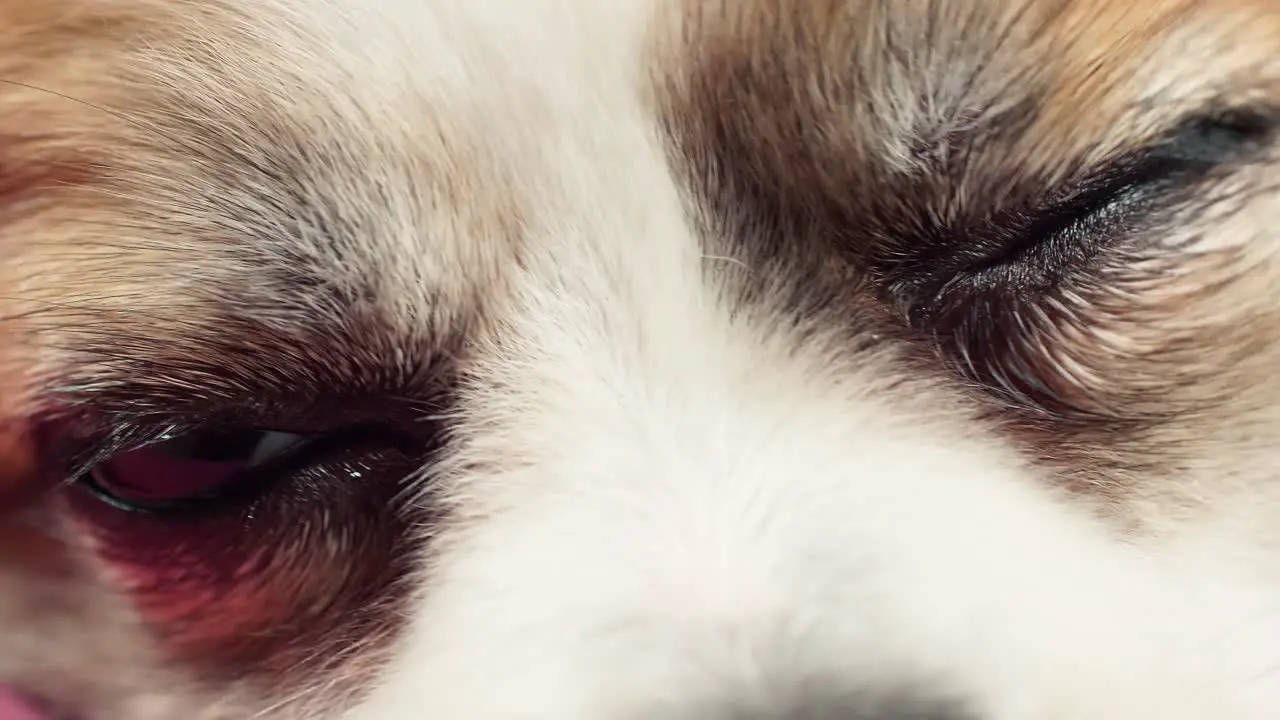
[1028, 249]
[186, 469]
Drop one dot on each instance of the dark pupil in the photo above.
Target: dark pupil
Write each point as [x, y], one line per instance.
[190, 465]
[217, 446]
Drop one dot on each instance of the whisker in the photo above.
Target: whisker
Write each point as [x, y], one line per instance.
[133, 121]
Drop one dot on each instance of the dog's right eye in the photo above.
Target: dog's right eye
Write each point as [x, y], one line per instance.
[183, 470]
[205, 470]
[219, 532]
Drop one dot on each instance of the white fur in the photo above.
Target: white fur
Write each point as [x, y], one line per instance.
[676, 504]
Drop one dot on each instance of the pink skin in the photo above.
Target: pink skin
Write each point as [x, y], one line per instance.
[146, 474]
[14, 707]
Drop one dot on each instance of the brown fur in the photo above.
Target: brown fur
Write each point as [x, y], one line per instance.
[845, 112]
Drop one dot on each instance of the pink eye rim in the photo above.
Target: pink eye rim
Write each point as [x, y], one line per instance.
[152, 479]
[297, 552]
[229, 484]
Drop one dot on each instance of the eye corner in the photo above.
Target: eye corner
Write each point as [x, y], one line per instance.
[1220, 136]
[1252, 123]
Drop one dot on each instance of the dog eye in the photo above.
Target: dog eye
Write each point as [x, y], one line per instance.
[241, 534]
[1028, 247]
[1028, 252]
[184, 470]
[994, 284]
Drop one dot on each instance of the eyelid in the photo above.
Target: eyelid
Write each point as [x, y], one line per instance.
[1076, 222]
[255, 479]
[273, 443]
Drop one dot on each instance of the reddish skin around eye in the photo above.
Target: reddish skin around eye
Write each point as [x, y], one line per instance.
[151, 474]
[195, 578]
[201, 583]
[197, 588]
[257, 588]
[15, 707]
[18, 472]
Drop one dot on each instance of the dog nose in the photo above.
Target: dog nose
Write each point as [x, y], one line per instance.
[896, 710]
[861, 706]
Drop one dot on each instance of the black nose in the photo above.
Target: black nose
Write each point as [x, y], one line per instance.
[908, 708]
[859, 706]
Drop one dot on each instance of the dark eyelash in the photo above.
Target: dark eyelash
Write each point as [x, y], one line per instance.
[1121, 187]
[1216, 138]
[1023, 248]
[314, 450]
[1181, 157]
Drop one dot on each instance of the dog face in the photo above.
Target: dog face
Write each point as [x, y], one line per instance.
[835, 359]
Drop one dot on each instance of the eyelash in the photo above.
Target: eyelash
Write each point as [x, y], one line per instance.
[1073, 225]
[1024, 253]
[995, 287]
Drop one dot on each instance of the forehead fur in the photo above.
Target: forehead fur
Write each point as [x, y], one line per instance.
[905, 84]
